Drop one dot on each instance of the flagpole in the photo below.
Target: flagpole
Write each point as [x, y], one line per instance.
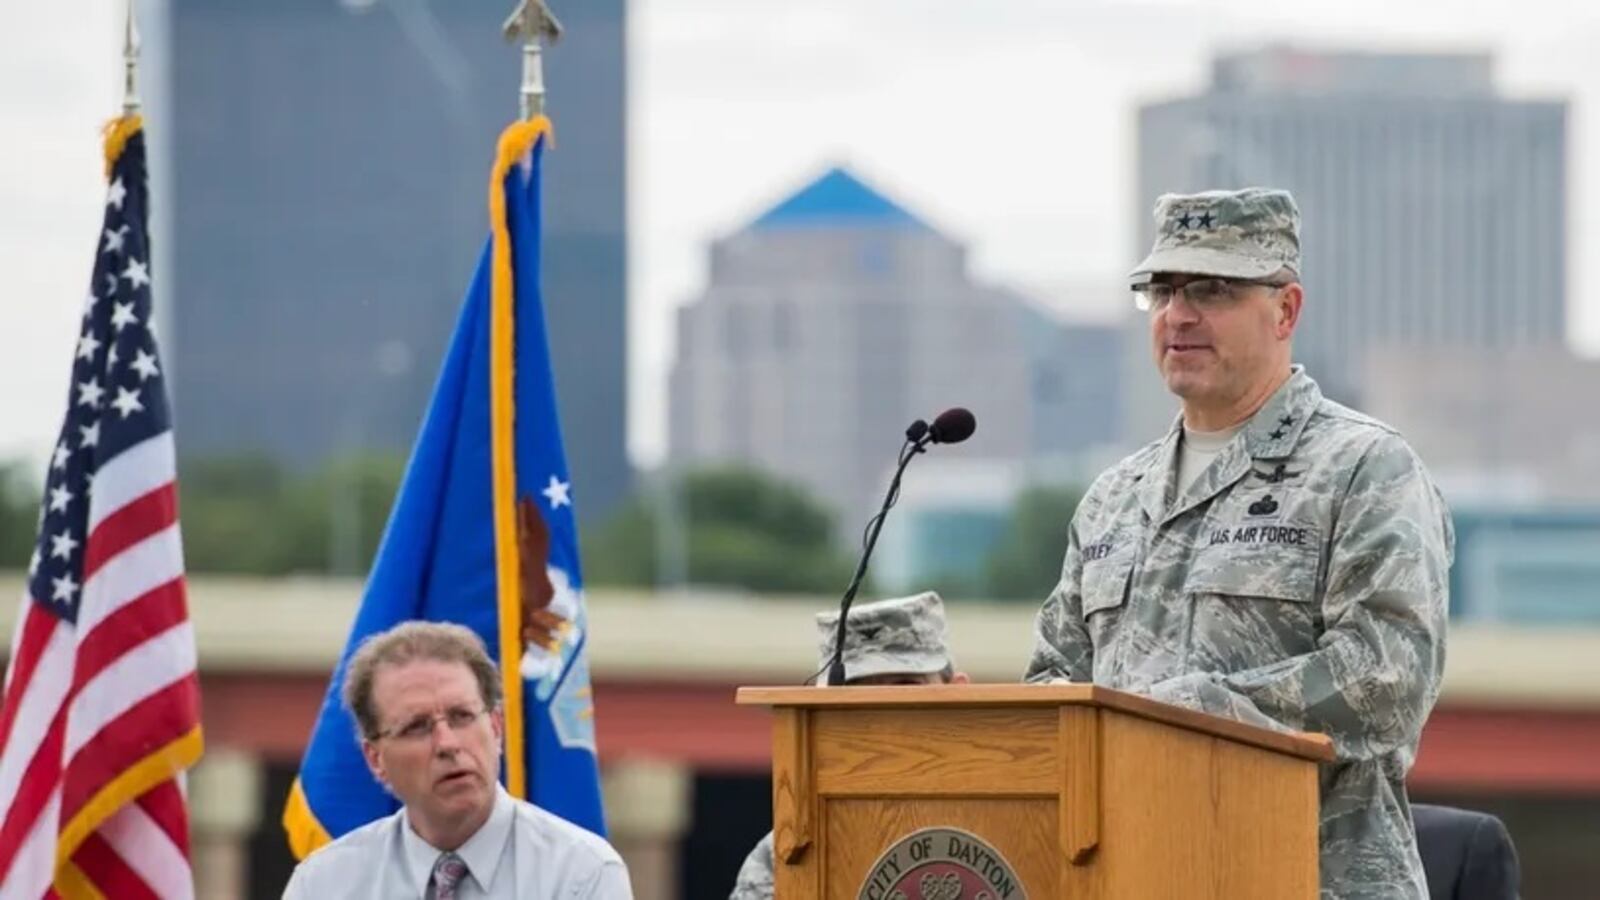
[533, 24]
[130, 63]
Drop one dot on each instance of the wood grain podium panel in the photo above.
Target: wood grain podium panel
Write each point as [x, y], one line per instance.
[1266, 815]
[1244, 829]
[1085, 792]
[992, 696]
[907, 752]
[1079, 760]
[793, 793]
[857, 831]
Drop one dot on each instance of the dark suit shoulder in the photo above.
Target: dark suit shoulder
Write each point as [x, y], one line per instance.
[1467, 855]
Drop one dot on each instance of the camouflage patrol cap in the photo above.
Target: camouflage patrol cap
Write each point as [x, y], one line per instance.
[901, 635]
[1249, 233]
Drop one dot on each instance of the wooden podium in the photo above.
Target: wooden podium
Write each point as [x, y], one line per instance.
[954, 792]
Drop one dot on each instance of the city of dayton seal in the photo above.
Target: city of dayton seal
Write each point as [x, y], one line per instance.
[941, 864]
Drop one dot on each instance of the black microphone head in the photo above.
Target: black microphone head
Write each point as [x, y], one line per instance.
[953, 426]
[916, 430]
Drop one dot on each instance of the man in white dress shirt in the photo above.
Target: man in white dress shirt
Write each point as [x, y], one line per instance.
[426, 697]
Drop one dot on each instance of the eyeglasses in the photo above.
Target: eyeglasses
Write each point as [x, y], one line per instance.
[1204, 294]
[421, 728]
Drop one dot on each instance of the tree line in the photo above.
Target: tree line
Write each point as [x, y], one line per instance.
[717, 527]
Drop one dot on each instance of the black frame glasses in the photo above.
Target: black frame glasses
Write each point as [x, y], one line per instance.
[1202, 293]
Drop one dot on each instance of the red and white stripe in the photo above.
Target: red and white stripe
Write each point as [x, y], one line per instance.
[84, 703]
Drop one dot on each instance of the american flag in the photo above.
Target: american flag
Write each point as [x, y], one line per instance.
[101, 709]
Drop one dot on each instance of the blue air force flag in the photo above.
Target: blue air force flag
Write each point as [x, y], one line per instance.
[482, 533]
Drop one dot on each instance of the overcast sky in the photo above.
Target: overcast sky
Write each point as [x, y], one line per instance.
[1008, 123]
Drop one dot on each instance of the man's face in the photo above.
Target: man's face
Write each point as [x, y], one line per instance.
[439, 749]
[1214, 349]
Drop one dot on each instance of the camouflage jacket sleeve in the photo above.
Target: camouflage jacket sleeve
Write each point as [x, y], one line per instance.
[756, 875]
[1062, 650]
[1375, 673]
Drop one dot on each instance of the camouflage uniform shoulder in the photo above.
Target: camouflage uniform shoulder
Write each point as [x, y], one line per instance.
[756, 875]
[1353, 434]
[1123, 475]
[1344, 416]
[1353, 441]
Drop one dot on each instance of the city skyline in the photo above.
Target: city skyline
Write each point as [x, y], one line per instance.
[830, 322]
[984, 119]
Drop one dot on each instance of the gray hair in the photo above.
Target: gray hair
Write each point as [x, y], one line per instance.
[408, 642]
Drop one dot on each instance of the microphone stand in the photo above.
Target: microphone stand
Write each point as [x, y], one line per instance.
[908, 450]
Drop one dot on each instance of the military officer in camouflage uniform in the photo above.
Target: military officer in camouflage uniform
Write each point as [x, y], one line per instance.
[896, 641]
[1276, 558]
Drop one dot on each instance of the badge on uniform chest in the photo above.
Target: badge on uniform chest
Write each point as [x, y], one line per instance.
[1277, 474]
[1262, 519]
[1262, 508]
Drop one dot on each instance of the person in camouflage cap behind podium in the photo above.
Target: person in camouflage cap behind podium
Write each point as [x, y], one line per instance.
[1275, 558]
[895, 641]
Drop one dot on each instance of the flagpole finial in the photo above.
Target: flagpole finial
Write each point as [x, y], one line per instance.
[130, 64]
[533, 24]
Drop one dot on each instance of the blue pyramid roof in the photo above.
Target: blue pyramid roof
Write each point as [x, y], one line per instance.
[837, 197]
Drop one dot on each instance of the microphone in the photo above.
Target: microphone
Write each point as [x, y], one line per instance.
[952, 426]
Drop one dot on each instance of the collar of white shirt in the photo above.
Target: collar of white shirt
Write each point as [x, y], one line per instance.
[482, 852]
